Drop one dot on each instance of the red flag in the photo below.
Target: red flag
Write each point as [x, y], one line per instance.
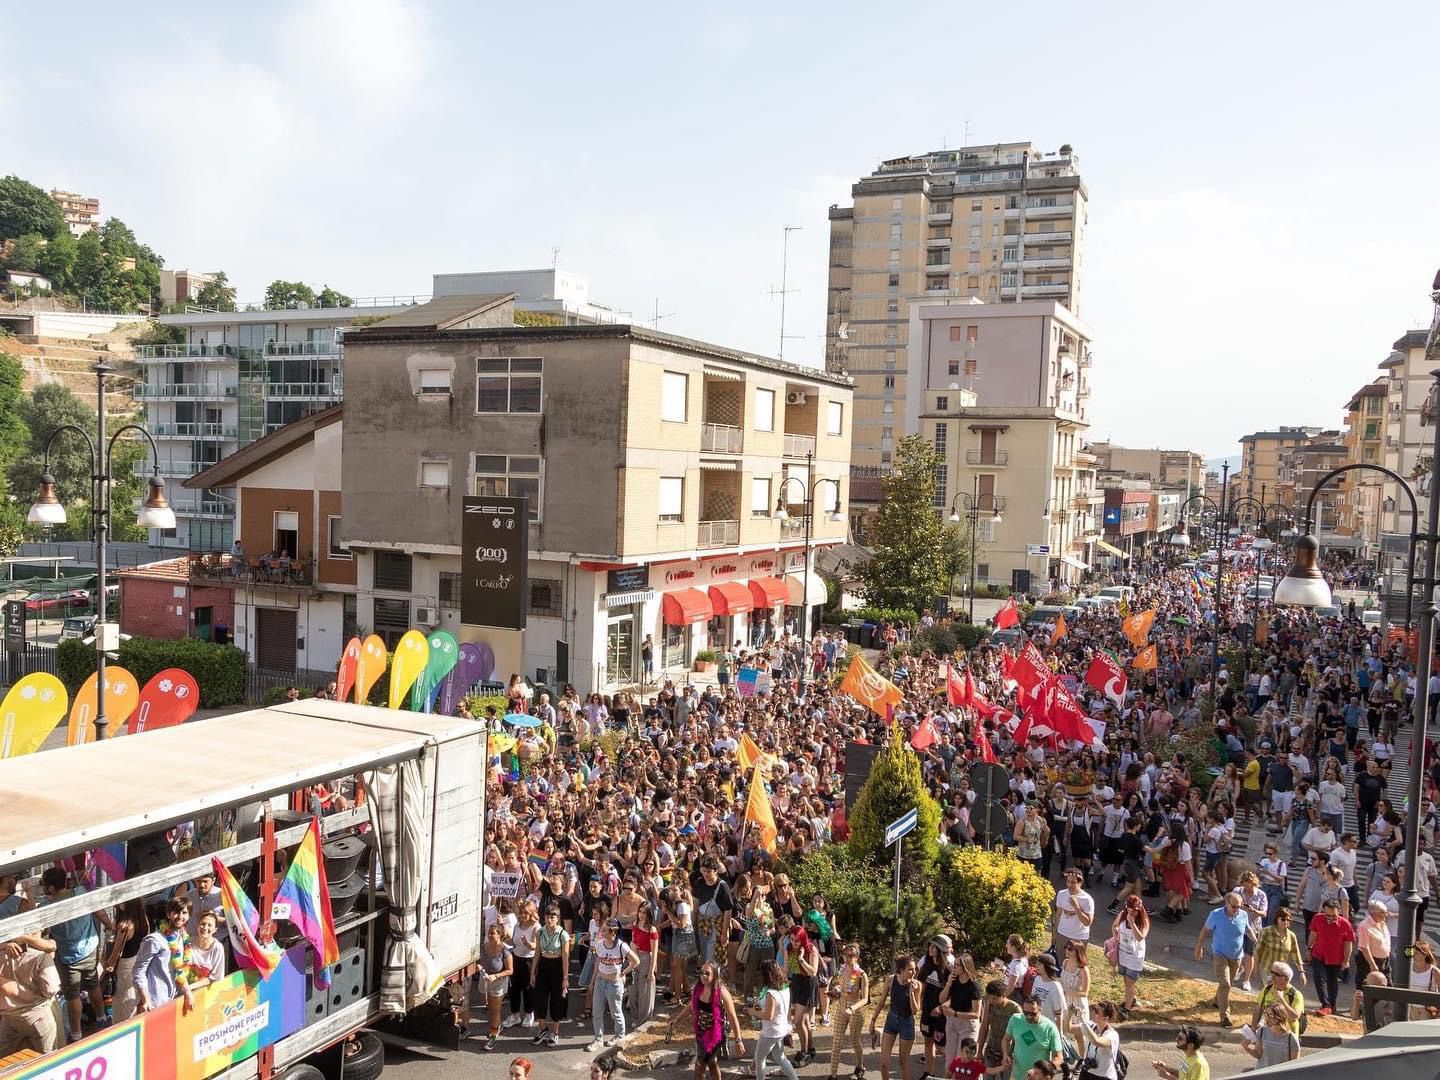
[1022, 733]
[924, 734]
[987, 748]
[1007, 663]
[1107, 676]
[954, 687]
[1063, 713]
[1029, 669]
[1007, 616]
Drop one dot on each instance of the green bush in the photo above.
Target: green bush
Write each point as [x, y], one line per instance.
[971, 634]
[477, 703]
[876, 614]
[941, 640]
[893, 789]
[75, 662]
[218, 670]
[705, 656]
[988, 895]
[1201, 749]
[276, 695]
[862, 898]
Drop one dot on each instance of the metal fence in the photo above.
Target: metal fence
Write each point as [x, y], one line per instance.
[261, 681]
[35, 658]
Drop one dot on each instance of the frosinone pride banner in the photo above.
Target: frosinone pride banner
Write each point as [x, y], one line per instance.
[494, 560]
[233, 1019]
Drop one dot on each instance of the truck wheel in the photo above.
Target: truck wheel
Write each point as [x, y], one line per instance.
[302, 1072]
[368, 1061]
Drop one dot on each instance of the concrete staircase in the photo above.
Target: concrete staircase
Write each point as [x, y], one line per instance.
[70, 362]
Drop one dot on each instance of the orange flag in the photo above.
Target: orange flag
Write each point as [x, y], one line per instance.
[1189, 645]
[1060, 629]
[1145, 659]
[1137, 627]
[757, 809]
[747, 754]
[869, 687]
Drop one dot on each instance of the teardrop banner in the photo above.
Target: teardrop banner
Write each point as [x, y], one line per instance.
[122, 694]
[31, 710]
[169, 698]
[444, 655]
[487, 662]
[345, 675]
[464, 675]
[412, 652]
[369, 667]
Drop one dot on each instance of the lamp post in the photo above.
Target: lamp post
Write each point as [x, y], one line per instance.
[154, 514]
[970, 502]
[1182, 539]
[1263, 512]
[809, 504]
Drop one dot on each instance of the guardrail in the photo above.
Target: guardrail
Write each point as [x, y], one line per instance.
[799, 445]
[718, 533]
[721, 438]
[183, 390]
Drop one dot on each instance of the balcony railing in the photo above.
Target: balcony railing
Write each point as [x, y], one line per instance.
[980, 457]
[941, 218]
[1046, 237]
[302, 348]
[192, 431]
[1058, 210]
[1045, 262]
[183, 390]
[168, 468]
[799, 445]
[193, 351]
[303, 390]
[718, 534]
[793, 526]
[283, 573]
[203, 508]
[721, 439]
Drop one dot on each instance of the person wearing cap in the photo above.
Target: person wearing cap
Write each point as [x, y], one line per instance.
[1331, 941]
[614, 960]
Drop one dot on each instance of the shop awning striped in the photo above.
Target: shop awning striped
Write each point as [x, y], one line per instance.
[620, 599]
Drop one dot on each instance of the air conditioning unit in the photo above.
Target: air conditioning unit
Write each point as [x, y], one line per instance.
[427, 615]
[794, 397]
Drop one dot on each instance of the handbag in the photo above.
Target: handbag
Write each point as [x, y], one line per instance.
[1112, 950]
[743, 951]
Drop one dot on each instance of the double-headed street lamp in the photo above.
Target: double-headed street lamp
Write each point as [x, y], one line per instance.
[155, 513]
[1181, 539]
[809, 503]
[975, 506]
[1264, 514]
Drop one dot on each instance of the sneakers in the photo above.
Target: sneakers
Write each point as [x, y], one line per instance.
[529, 1020]
[491, 1041]
[552, 1039]
[510, 1021]
[594, 1045]
[1113, 907]
[1245, 986]
[1324, 1010]
[540, 1037]
[1214, 900]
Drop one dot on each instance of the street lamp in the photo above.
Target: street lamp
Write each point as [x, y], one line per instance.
[1264, 513]
[1182, 539]
[155, 513]
[970, 502]
[1304, 586]
[809, 503]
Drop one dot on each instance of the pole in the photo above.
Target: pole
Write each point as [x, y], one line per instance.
[899, 844]
[102, 528]
[1411, 901]
[973, 513]
[1219, 588]
[809, 524]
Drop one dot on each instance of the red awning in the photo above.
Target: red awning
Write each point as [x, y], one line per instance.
[768, 592]
[730, 598]
[685, 606]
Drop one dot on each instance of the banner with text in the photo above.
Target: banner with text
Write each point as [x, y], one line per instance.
[495, 556]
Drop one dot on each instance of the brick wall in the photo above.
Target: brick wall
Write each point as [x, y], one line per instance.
[150, 607]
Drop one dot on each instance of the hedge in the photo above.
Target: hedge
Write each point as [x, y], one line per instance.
[986, 896]
[870, 615]
[970, 634]
[219, 670]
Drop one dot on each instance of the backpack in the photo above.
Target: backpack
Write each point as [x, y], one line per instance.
[1122, 1064]
[1027, 984]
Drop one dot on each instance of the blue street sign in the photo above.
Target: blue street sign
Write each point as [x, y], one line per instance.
[900, 826]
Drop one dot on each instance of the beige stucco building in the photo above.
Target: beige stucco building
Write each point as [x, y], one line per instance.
[1361, 491]
[653, 464]
[1261, 454]
[1169, 468]
[1003, 224]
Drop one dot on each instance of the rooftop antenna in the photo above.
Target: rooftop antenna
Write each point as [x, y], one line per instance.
[782, 291]
[655, 319]
[554, 257]
[967, 131]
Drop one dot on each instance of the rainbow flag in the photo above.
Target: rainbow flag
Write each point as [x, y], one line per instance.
[243, 922]
[304, 899]
[108, 859]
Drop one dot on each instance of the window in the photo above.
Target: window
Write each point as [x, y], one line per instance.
[974, 232]
[894, 281]
[940, 207]
[1007, 279]
[895, 204]
[835, 416]
[976, 206]
[972, 335]
[287, 533]
[392, 571]
[449, 589]
[671, 498]
[435, 381]
[957, 332]
[942, 435]
[507, 385]
[332, 532]
[1012, 202]
[952, 367]
[938, 257]
[942, 403]
[764, 410]
[760, 496]
[885, 457]
[392, 620]
[517, 477]
[887, 408]
[1047, 226]
[349, 616]
[973, 282]
[1045, 200]
[938, 499]
[1372, 429]
[995, 231]
[982, 570]
[892, 307]
[434, 474]
[889, 385]
[889, 359]
[546, 598]
[674, 392]
[1011, 253]
[936, 283]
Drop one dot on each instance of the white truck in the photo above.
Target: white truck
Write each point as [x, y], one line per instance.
[415, 842]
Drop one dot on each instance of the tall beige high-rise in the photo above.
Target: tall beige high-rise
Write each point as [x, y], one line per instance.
[1001, 223]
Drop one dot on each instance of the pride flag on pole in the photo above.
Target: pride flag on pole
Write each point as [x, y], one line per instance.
[243, 922]
[304, 899]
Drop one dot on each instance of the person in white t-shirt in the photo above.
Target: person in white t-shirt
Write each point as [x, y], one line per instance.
[1074, 912]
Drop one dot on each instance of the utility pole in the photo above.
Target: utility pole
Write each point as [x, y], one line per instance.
[784, 274]
[656, 317]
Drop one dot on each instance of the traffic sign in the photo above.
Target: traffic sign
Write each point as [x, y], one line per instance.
[1037, 549]
[900, 826]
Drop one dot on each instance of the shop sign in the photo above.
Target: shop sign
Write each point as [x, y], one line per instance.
[630, 579]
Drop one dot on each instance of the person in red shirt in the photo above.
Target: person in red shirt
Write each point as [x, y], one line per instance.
[969, 1065]
[1332, 939]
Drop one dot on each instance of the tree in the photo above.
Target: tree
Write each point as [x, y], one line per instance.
[14, 436]
[958, 548]
[25, 252]
[288, 294]
[57, 261]
[329, 297]
[218, 294]
[893, 790]
[25, 208]
[118, 239]
[989, 895]
[88, 263]
[910, 566]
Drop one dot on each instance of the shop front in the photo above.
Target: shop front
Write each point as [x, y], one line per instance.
[732, 603]
[627, 591]
[680, 612]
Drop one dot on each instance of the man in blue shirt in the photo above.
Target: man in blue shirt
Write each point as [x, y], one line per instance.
[1227, 927]
[77, 949]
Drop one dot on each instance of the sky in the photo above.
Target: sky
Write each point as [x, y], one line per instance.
[1264, 201]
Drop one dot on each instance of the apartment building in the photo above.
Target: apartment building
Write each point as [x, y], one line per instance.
[183, 286]
[654, 466]
[1406, 372]
[999, 224]
[1361, 490]
[1168, 468]
[1301, 470]
[81, 212]
[1260, 457]
[1126, 518]
[1029, 464]
[237, 377]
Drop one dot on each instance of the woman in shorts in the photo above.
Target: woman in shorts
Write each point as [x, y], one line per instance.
[901, 1004]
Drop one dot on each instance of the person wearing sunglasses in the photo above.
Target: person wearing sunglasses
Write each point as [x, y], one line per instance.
[1031, 1039]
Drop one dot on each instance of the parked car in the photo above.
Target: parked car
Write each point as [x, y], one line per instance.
[70, 598]
[1372, 617]
[77, 626]
[1089, 603]
[1118, 592]
[1044, 615]
[1011, 635]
